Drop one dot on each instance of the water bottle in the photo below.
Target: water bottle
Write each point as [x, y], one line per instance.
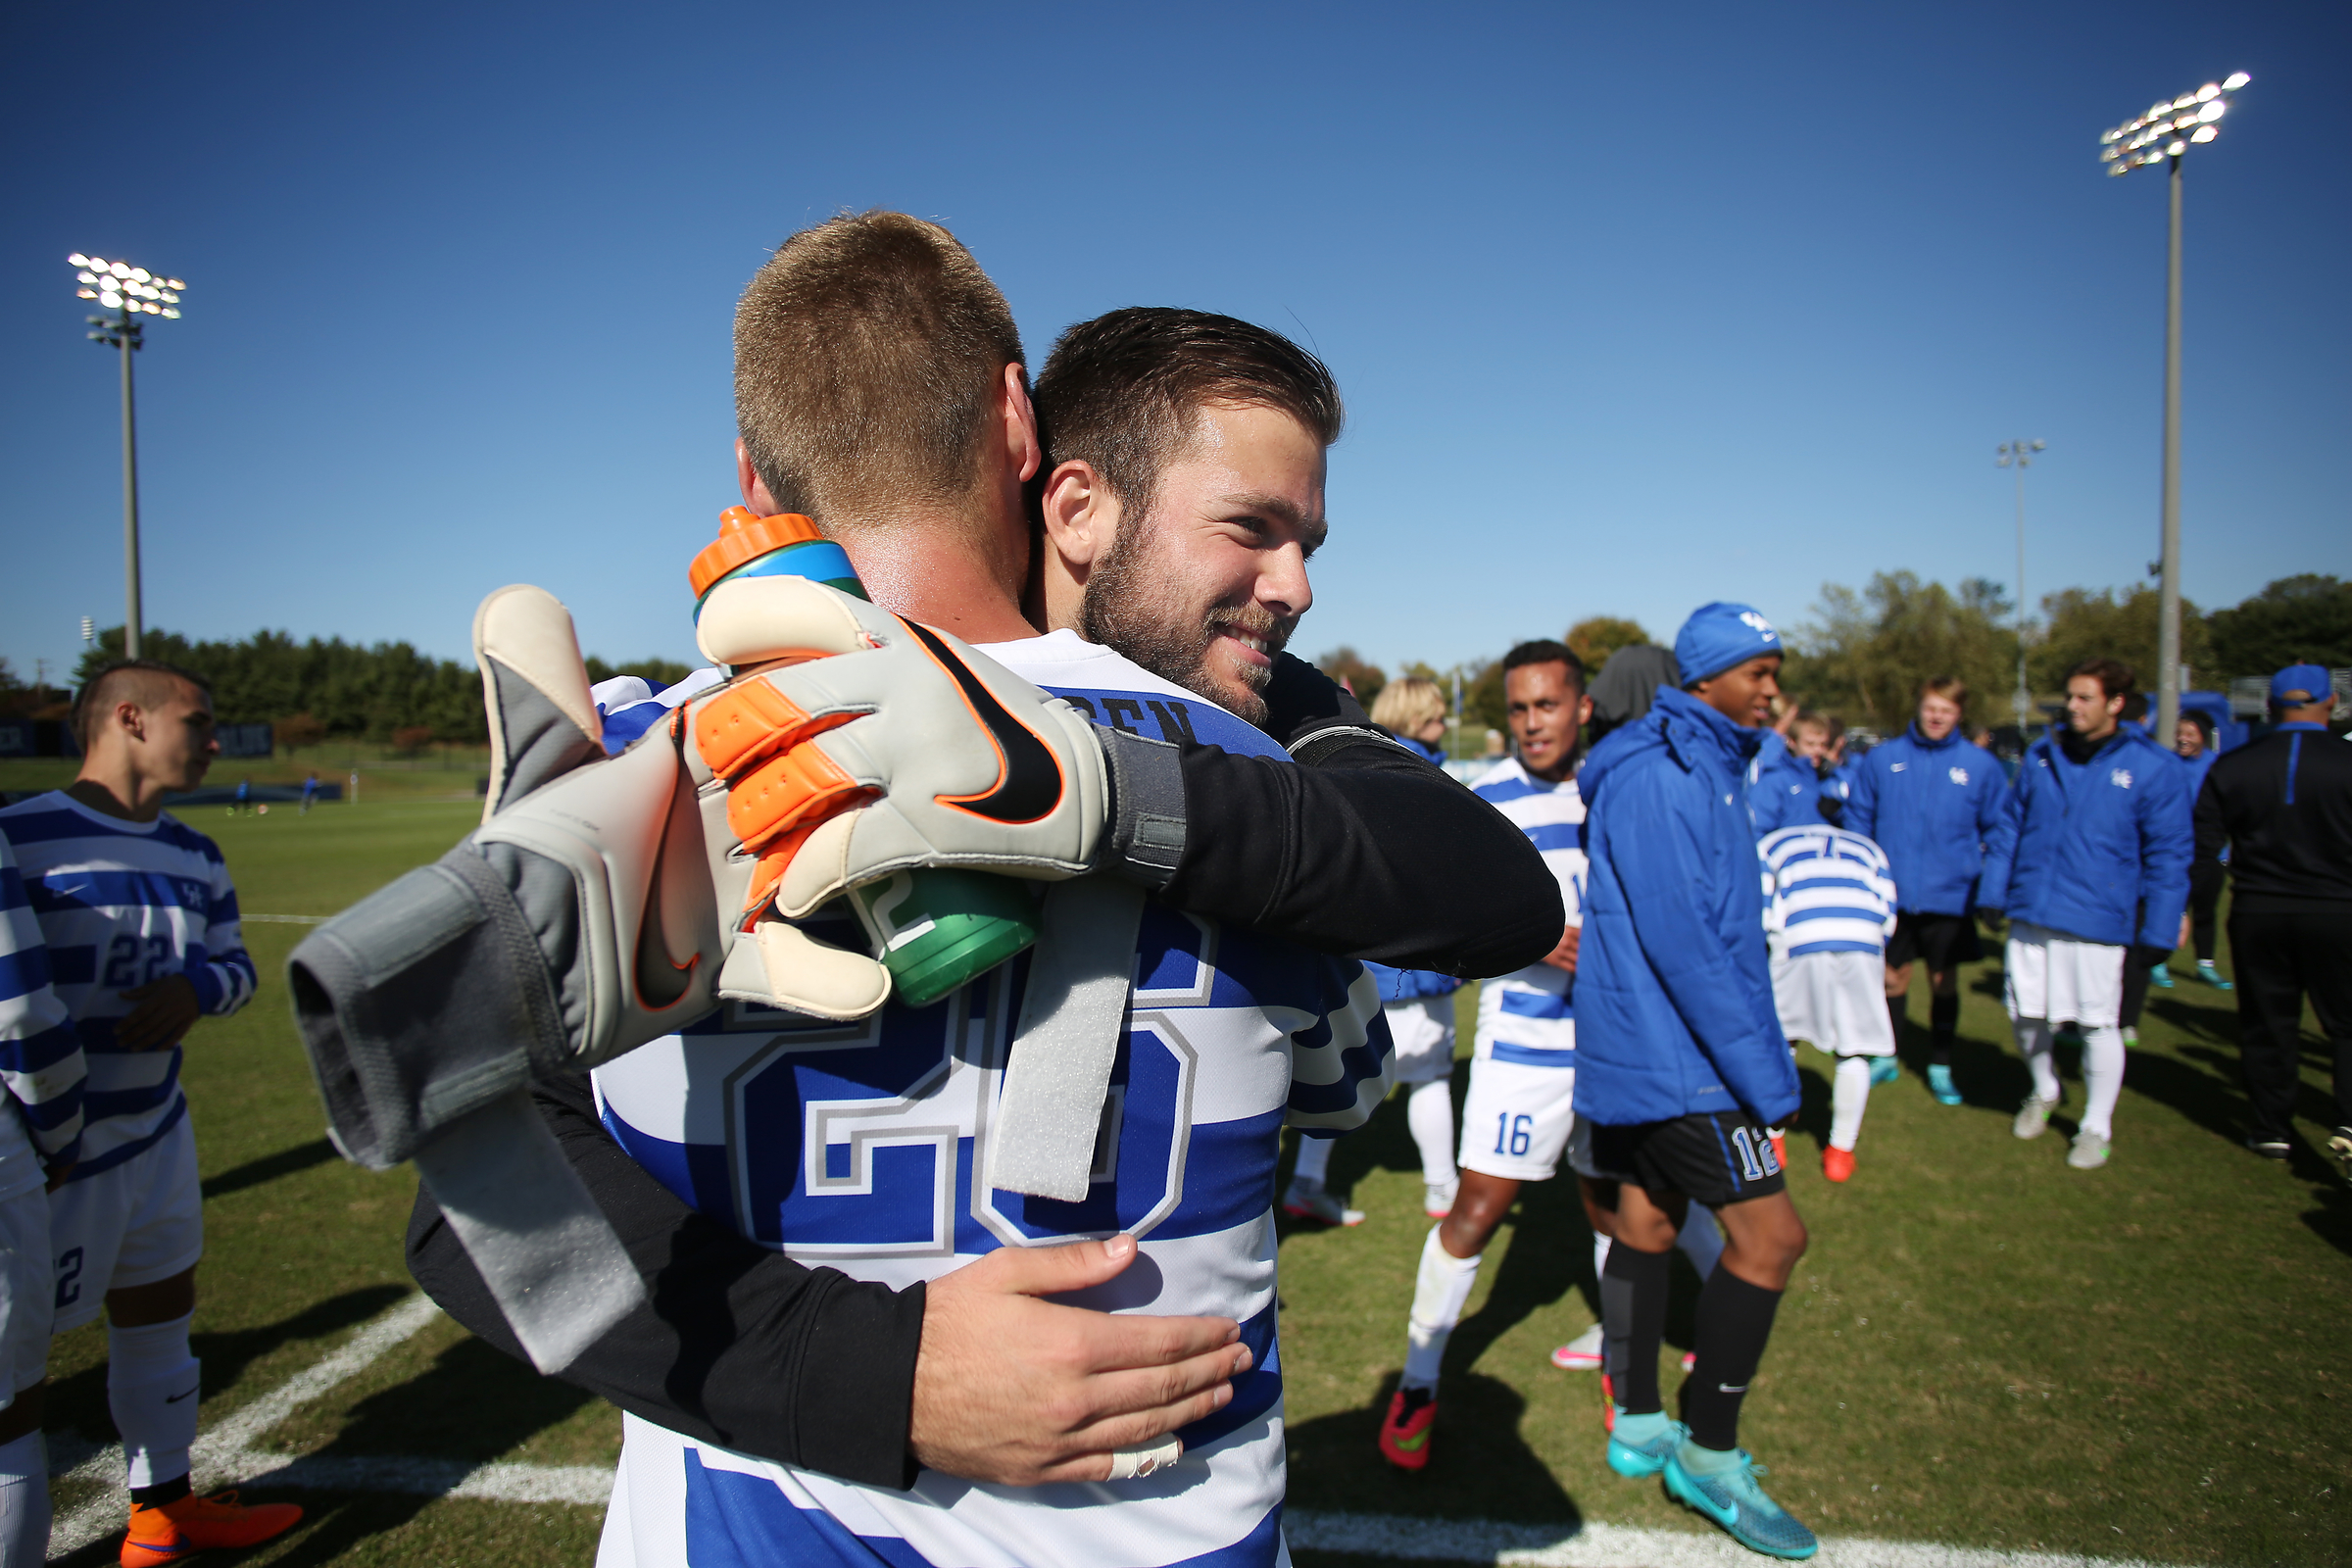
[936, 928]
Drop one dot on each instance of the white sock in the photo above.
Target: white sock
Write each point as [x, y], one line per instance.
[1601, 1254]
[23, 1501]
[2102, 1077]
[1700, 1241]
[2034, 1039]
[1315, 1160]
[1428, 1112]
[1439, 1293]
[1849, 1097]
[151, 1387]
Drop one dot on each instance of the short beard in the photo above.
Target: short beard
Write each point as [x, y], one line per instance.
[1123, 608]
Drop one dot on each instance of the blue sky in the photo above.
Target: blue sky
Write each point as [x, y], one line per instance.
[1633, 306]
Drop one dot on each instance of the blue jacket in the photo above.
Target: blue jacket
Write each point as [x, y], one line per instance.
[2087, 843]
[1935, 808]
[1784, 790]
[1674, 1011]
[1412, 984]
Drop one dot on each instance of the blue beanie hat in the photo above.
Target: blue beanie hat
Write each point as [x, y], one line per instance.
[1717, 636]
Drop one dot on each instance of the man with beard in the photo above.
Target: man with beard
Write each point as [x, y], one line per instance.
[778, 1409]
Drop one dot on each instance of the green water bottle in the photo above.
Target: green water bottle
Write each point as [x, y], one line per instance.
[936, 929]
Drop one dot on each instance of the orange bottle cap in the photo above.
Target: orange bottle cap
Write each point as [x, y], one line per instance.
[744, 538]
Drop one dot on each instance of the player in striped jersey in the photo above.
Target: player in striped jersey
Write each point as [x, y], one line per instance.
[140, 923]
[1829, 912]
[41, 1065]
[1519, 1112]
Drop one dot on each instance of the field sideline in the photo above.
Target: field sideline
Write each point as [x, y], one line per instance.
[1984, 1350]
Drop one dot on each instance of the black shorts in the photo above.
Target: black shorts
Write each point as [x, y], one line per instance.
[1945, 941]
[1719, 1158]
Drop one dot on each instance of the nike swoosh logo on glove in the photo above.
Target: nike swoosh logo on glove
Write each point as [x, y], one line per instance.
[1029, 785]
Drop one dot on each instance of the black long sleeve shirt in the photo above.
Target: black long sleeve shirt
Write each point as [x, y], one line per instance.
[2283, 806]
[1366, 851]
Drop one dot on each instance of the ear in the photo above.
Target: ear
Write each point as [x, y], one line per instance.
[753, 488]
[1081, 516]
[1584, 710]
[131, 720]
[1021, 442]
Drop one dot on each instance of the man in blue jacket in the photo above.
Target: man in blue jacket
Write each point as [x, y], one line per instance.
[1684, 1063]
[2098, 832]
[1933, 803]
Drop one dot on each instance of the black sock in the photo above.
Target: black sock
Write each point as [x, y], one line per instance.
[1734, 1319]
[1899, 1012]
[1943, 1022]
[1633, 1315]
[162, 1493]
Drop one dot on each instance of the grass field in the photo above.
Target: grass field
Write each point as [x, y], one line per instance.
[1982, 1348]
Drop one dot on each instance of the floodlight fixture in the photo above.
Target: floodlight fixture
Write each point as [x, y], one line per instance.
[2165, 133]
[131, 293]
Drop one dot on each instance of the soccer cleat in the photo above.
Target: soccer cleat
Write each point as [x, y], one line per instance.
[1437, 1198]
[1838, 1165]
[2212, 976]
[1582, 1353]
[2161, 977]
[1608, 1404]
[1638, 1459]
[1884, 1070]
[180, 1529]
[2340, 1150]
[1939, 1084]
[2089, 1152]
[2032, 1116]
[2269, 1148]
[1311, 1200]
[1404, 1435]
[1780, 1146]
[2131, 1034]
[1732, 1499]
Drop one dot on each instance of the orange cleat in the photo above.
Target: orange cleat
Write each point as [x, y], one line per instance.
[1836, 1163]
[1608, 1404]
[179, 1530]
[1780, 1151]
[1404, 1435]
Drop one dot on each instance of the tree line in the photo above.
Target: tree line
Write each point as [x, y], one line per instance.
[1862, 655]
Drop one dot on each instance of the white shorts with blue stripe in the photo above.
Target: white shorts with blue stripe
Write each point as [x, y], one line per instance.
[1521, 1104]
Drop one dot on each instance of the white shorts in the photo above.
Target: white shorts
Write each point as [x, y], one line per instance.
[140, 1222]
[1421, 1033]
[2060, 977]
[26, 1293]
[1516, 1119]
[1836, 1001]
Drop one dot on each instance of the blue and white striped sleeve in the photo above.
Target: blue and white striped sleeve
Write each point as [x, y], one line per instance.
[1342, 1066]
[40, 1054]
[223, 973]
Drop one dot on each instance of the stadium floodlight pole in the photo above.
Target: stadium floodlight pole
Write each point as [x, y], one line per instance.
[2019, 455]
[131, 293]
[2167, 131]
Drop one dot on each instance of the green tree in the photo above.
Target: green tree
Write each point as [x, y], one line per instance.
[660, 671]
[2305, 618]
[1363, 677]
[1595, 637]
[1864, 656]
[2081, 624]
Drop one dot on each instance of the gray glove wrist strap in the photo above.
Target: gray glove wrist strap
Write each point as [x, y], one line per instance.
[1147, 807]
[1310, 750]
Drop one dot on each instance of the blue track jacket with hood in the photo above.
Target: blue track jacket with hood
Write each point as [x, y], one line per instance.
[1938, 809]
[2088, 841]
[1674, 1010]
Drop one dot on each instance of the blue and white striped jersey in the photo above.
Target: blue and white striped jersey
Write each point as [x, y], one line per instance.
[40, 1055]
[1529, 1016]
[855, 1145]
[122, 904]
[1826, 889]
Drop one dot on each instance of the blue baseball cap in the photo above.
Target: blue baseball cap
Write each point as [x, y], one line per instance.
[2299, 684]
[1717, 636]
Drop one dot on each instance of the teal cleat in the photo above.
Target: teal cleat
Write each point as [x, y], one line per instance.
[1884, 1070]
[1644, 1458]
[2161, 977]
[2212, 976]
[1732, 1499]
[1939, 1084]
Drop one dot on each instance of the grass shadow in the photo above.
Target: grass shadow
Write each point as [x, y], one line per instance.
[1478, 1467]
[268, 1168]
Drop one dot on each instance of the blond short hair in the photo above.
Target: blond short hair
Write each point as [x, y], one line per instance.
[1404, 706]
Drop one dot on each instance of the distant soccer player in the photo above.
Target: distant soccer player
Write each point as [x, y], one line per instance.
[2096, 832]
[1932, 802]
[1419, 1006]
[1831, 914]
[1519, 1111]
[140, 922]
[1683, 1065]
[309, 793]
[2192, 743]
[41, 1066]
[1785, 786]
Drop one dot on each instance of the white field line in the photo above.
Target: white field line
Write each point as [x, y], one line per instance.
[225, 1456]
